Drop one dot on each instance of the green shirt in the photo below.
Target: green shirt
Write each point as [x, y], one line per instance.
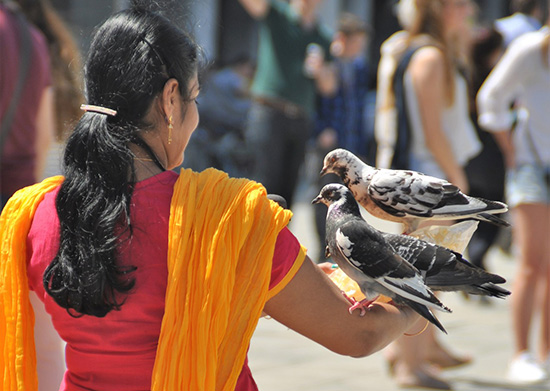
[281, 53]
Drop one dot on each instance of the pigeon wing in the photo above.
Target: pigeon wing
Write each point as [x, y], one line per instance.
[367, 250]
[441, 266]
[402, 192]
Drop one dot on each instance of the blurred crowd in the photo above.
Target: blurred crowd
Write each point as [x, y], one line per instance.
[451, 97]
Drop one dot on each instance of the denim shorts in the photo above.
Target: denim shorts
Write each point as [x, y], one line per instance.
[528, 184]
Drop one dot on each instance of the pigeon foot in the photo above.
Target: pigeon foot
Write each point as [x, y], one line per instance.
[365, 303]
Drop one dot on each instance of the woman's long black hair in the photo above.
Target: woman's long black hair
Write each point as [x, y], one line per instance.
[131, 57]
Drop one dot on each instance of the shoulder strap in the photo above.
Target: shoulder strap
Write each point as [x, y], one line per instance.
[401, 157]
[24, 65]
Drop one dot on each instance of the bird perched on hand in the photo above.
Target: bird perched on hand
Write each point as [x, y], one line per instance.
[366, 257]
[444, 269]
[408, 197]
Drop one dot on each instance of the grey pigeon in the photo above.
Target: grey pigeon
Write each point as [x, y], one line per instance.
[408, 197]
[444, 269]
[366, 256]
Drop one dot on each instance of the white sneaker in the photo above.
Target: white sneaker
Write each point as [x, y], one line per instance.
[524, 369]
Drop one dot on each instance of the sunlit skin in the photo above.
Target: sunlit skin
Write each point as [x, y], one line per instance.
[168, 145]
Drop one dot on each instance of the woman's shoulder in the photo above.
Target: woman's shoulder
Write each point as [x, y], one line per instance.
[427, 59]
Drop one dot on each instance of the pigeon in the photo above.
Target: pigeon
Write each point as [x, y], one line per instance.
[406, 196]
[366, 257]
[444, 269]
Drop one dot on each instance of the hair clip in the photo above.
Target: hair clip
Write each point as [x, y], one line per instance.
[98, 109]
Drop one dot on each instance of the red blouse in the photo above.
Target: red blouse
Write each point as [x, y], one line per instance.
[117, 352]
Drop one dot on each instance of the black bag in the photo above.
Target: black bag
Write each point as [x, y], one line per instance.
[401, 154]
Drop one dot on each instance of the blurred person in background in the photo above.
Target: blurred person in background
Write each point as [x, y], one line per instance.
[66, 68]
[223, 106]
[292, 65]
[485, 171]
[26, 102]
[522, 78]
[66, 87]
[423, 124]
[340, 119]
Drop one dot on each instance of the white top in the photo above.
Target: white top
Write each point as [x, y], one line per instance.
[456, 124]
[521, 76]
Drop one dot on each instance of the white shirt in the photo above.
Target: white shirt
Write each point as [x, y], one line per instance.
[521, 76]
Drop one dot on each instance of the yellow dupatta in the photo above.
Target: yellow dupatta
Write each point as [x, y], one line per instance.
[18, 358]
[218, 266]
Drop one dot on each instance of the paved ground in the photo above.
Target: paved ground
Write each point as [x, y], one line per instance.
[282, 360]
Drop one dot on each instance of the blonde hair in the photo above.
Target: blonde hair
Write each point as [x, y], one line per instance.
[427, 20]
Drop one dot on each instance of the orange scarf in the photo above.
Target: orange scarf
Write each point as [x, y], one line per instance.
[219, 266]
[18, 358]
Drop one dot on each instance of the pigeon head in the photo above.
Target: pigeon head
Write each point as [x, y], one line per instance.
[341, 162]
[332, 193]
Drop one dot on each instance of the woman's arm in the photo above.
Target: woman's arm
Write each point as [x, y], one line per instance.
[427, 70]
[312, 305]
[498, 92]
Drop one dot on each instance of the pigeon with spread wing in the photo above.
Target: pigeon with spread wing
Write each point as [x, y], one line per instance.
[408, 197]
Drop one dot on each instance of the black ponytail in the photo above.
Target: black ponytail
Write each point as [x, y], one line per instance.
[132, 56]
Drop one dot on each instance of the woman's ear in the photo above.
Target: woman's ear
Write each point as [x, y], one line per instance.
[170, 96]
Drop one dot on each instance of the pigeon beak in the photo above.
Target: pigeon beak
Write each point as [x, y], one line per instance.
[323, 171]
[317, 199]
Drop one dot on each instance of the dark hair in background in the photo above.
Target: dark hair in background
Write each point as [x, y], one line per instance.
[486, 42]
[525, 6]
[131, 57]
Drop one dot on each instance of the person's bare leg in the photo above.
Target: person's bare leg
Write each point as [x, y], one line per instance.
[545, 300]
[408, 359]
[530, 236]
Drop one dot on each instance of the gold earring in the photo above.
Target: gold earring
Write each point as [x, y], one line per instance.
[170, 127]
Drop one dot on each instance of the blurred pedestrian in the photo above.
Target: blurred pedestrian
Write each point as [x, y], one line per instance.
[26, 102]
[340, 119]
[485, 172]
[66, 68]
[149, 299]
[291, 66]
[526, 17]
[522, 77]
[223, 107]
[423, 124]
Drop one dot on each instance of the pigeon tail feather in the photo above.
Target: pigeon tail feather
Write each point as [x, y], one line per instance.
[425, 312]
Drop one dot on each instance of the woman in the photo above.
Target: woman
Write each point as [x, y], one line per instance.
[420, 87]
[523, 77]
[157, 280]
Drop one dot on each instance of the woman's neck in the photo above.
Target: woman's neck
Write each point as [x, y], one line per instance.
[146, 163]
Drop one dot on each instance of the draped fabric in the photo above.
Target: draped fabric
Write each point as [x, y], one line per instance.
[222, 238]
[222, 235]
[18, 357]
